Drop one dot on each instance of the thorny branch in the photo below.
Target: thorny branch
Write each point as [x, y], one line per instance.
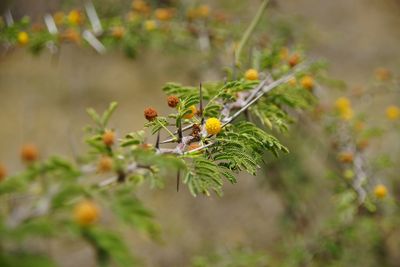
[360, 174]
[256, 93]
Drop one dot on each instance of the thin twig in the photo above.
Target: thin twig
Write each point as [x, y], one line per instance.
[249, 31]
[261, 88]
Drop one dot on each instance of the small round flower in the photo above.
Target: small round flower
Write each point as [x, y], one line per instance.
[3, 172]
[29, 153]
[392, 112]
[150, 114]
[346, 157]
[163, 14]
[251, 75]
[140, 6]
[86, 213]
[71, 35]
[108, 138]
[193, 111]
[213, 126]
[172, 101]
[23, 38]
[105, 164]
[118, 32]
[380, 191]
[307, 82]
[150, 25]
[382, 74]
[59, 18]
[342, 103]
[75, 17]
[343, 106]
[294, 60]
[203, 11]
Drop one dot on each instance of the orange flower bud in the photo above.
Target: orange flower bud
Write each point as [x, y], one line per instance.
[294, 60]
[150, 114]
[382, 74]
[163, 14]
[118, 32]
[29, 153]
[109, 138]
[307, 82]
[346, 157]
[86, 213]
[3, 172]
[172, 101]
[105, 164]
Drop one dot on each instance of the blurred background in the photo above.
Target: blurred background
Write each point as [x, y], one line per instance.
[44, 102]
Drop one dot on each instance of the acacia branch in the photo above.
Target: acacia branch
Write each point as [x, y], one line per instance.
[257, 92]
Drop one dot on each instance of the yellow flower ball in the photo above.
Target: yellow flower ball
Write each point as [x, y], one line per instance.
[342, 103]
[190, 115]
[343, 106]
[150, 25]
[140, 6]
[380, 191]
[203, 11]
[75, 17]
[392, 113]
[213, 126]
[86, 213]
[23, 38]
[251, 75]
[307, 82]
[346, 114]
[118, 32]
[163, 14]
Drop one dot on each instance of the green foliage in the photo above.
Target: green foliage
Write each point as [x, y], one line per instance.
[25, 260]
[102, 121]
[239, 148]
[55, 186]
[233, 258]
[204, 175]
[109, 246]
[131, 211]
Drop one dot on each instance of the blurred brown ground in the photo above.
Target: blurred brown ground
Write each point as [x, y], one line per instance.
[45, 104]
